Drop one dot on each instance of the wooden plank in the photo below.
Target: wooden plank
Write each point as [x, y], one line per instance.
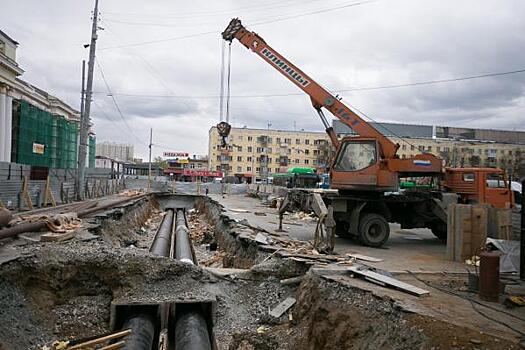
[389, 281]
[365, 257]
[283, 306]
[57, 237]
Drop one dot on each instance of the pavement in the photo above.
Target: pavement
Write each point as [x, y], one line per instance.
[415, 250]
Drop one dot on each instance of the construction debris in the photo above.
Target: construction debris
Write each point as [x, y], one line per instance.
[387, 281]
[280, 309]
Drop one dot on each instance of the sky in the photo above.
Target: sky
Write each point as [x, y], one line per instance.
[161, 60]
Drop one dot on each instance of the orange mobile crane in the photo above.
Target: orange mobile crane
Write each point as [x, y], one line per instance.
[366, 169]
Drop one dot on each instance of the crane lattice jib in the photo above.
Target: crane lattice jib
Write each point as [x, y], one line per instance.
[320, 97]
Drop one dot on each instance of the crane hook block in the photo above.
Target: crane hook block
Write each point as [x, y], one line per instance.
[224, 131]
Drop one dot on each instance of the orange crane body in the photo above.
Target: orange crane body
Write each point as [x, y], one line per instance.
[382, 169]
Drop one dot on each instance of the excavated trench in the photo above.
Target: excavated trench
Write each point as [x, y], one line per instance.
[90, 285]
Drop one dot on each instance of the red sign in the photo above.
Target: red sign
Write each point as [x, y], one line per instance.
[175, 154]
[190, 172]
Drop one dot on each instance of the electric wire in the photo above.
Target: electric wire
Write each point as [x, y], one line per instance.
[116, 104]
[472, 302]
[381, 87]
[149, 42]
[221, 96]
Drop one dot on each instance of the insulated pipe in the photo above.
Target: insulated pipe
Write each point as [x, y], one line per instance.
[191, 328]
[182, 240]
[162, 243]
[142, 327]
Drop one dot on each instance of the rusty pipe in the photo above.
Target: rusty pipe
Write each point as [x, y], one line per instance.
[39, 225]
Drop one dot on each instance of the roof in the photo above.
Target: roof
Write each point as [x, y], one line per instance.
[8, 37]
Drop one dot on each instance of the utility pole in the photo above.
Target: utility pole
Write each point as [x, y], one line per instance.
[266, 172]
[149, 164]
[84, 118]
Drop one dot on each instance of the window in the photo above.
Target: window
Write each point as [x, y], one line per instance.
[199, 165]
[403, 156]
[239, 169]
[469, 177]
[404, 147]
[296, 161]
[412, 147]
[218, 158]
[316, 152]
[248, 168]
[356, 156]
[306, 151]
[250, 149]
[306, 142]
[421, 148]
[269, 160]
[239, 137]
[249, 159]
[438, 149]
[306, 161]
[276, 170]
[278, 140]
[297, 141]
[250, 138]
[260, 149]
[495, 180]
[269, 150]
[239, 158]
[314, 162]
[429, 148]
[288, 141]
[218, 168]
[239, 148]
[447, 149]
[218, 147]
[257, 169]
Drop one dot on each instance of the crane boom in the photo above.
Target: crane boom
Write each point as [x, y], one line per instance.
[320, 97]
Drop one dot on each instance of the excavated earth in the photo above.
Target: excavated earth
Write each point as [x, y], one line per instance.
[61, 291]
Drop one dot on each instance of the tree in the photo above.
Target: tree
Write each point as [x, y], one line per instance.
[160, 162]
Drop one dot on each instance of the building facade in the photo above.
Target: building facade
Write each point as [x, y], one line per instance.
[259, 153]
[36, 128]
[117, 151]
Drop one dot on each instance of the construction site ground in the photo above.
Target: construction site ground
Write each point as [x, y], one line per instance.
[72, 289]
[414, 256]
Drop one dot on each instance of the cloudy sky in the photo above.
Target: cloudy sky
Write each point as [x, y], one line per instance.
[161, 61]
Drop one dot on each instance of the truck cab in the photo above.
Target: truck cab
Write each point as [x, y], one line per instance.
[479, 186]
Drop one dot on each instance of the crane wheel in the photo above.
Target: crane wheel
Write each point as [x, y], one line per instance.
[373, 230]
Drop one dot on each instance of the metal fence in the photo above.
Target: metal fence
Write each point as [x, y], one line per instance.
[62, 185]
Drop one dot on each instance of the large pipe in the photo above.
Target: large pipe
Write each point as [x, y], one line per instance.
[142, 325]
[191, 328]
[162, 242]
[182, 240]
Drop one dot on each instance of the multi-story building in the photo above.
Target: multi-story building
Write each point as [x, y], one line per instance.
[117, 151]
[36, 128]
[257, 153]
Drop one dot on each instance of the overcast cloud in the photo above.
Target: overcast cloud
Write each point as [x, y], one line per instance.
[378, 43]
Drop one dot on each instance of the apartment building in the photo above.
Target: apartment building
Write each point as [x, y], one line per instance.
[258, 153]
[116, 151]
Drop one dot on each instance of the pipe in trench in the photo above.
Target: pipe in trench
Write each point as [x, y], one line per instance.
[162, 243]
[191, 328]
[143, 324]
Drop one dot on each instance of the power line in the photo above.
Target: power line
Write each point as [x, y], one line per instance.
[430, 82]
[252, 24]
[116, 104]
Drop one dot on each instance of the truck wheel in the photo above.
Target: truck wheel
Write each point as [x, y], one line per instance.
[439, 230]
[373, 230]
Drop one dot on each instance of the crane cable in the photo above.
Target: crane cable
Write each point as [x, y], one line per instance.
[224, 116]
